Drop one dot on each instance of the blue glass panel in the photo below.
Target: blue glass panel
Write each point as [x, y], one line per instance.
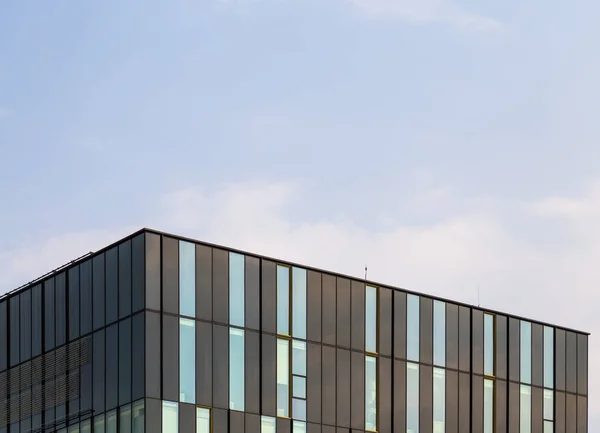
[412, 327]
[488, 406]
[283, 300]
[412, 398]
[299, 386]
[283, 378]
[236, 369]
[299, 357]
[525, 352]
[549, 405]
[187, 361]
[439, 333]
[439, 400]
[488, 344]
[548, 357]
[187, 279]
[371, 319]
[299, 427]
[236, 289]
[525, 412]
[299, 409]
[299, 303]
[370, 393]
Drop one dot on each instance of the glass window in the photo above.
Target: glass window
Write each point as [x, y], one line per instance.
[488, 344]
[525, 412]
[299, 303]
[283, 377]
[236, 289]
[202, 420]
[549, 405]
[99, 424]
[488, 406]
[370, 393]
[412, 398]
[75, 428]
[86, 426]
[138, 417]
[548, 427]
[299, 357]
[170, 417]
[525, 352]
[267, 424]
[125, 419]
[283, 300]
[412, 328]
[187, 279]
[187, 360]
[439, 400]
[439, 333]
[299, 409]
[371, 319]
[111, 422]
[236, 369]
[299, 427]
[299, 386]
[548, 357]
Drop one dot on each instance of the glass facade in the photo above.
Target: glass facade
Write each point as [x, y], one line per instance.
[156, 334]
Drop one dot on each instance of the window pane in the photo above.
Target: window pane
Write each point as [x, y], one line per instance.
[202, 420]
[138, 417]
[412, 328]
[283, 300]
[267, 424]
[488, 345]
[111, 422]
[439, 400]
[283, 377]
[371, 319]
[548, 427]
[371, 393]
[488, 406]
[187, 279]
[236, 369]
[548, 357]
[299, 409]
[412, 397]
[187, 361]
[236, 289]
[299, 427]
[86, 426]
[99, 424]
[170, 417]
[125, 419]
[525, 352]
[549, 405]
[299, 302]
[525, 412]
[439, 333]
[299, 386]
[299, 358]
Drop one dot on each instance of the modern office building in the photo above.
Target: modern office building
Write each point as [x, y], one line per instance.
[158, 333]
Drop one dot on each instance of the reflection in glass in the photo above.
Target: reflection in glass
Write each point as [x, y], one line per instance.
[548, 357]
[236, 289]
[549, 405]
[283, 300]
[125, 419]
[187, 279]
[86, 426]
[439, 400]
[111, 422]
[548, 427]
[525, 352]
[412, 398]
[299, 386]
[236, 369]
[187, 360]
[299, 302]
[267, 424]
[370, 393]
[99, 424]
[138, 416]
[412, 327]
[299, 427]
[525, 415]
[283, 377]
[371, 319]
[299, 357]
[439, 333]
[299, 409]
[170, 417]
[74, 428]
[488, 406]
[488, 344]
[202, 420]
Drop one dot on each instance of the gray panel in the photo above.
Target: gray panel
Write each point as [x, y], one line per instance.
[112, 366]
[477, 341]
[313, 385]
[329, 309]
[153, 415]
[571, 362]
[537, 400]
[170, 358]
[313, 325]
[313, 428]
[269, 375]
[329, 389]
[125, 361]
[203, 282]
[425, 398]
[571, 414]
[187, 417]
[74, 308]
[582, 415]
[399, 325]
[514, 350]
[220, 420]
[357, 392]
[477, 393]
[152, 272]
[4, 335]
[98, 294]
[252, 293]
[252, 423]
[560, 359]
[111, 279]
[559, 412]
[452, 336]
[137, 275]
[236, 422]
[220, 286]
[500, 403]
[501, 347]
[170, 275]
[386, 322]
[582, 364]
[284, 425]
[125, 279]
[452, 398]
[269, 297]
[328, 429]
[426, 332]
[252, 372]
[220, 366]
[384, 391]
[85, 288]
[358, 316]
[138, 356]
[153, 364]
[98, 373]
[464, 339]
[204, 364]
[343, 312]
[399, 395]
[537, 352]
[514, 405]
[464, 402]
[343, 388]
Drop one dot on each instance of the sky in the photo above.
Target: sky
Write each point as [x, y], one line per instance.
[450, 146]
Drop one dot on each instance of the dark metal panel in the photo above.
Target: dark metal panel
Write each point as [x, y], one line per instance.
[425, 397]
[357, 316]
[452, 337]
[477, 398]
[537, 355]
[3, 335]
[514, 350]
[313, 385]
[343, 387]
[464, 403]
[501, 347]
[236, 422]
[49, 311]
[571, 413]
[357, 391]
[464, 339]
[252, 423]
[203, 282]
[252, 372]
[111, 279]
[220, 420]
[204, 362]
[153, 414]
[514, 405]
[269, 298]
[138, 277]
[112, 366]
[153, 280]
[25, 324]
[399, 325]
[138, 361]
[343, 312]
[284, 425]
[477, 342]
[313, 325]
[125, 361]
[220, 286]
[85, 298]
[60, 299]
[170, 275]
[386, 321]
[269, 375]
[187, 418]
[537, 400]
[582, 364]
[221, 366]
[170, 358]
[452, 397]
[384, 387]
[73, 301]
[153, 355]
[560, 367]
[559, 412]
[98, 292]
[426, 331]
[125, 279]
[313, 428]
[252, 292]
[329, 386]
[329, 309]
[399, 396]
[500, 417]
[571, 353]
[98, 378]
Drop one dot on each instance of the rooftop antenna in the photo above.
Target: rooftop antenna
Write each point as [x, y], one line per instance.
[365, 272]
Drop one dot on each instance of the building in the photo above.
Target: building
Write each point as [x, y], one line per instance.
[159, 333]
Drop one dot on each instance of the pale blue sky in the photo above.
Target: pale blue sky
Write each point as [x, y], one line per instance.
[455, 144]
